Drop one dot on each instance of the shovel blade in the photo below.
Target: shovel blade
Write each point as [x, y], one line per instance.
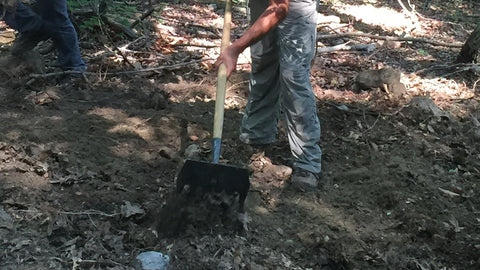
[214, 177]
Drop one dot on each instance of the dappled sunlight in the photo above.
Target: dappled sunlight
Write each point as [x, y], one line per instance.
[161, 133]
[29, 181]
[136, 126]
[443, 91]
[13, 135]
[11, 115]
[378, 16]
[333, 216]
[115, 115]
[314, 222]
[260, 210]
[15, 131]
[171, 36]
[125, 124]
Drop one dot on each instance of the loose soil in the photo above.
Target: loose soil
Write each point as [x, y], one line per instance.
[88, 165]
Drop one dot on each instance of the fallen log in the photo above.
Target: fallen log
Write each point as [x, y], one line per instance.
[412, 39]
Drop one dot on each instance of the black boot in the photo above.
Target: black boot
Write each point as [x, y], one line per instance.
[27, 41]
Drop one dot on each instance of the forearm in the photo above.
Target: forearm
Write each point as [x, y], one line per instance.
[271, 17]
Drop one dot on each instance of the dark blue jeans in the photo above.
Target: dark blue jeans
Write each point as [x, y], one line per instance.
[53, 21]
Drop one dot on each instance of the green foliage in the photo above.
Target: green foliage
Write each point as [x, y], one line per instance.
[456, 15]
[91, 23]
[119, 11]
[423, 52]
[76, 4]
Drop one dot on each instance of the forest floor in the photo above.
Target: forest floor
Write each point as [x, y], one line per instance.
[88, 166]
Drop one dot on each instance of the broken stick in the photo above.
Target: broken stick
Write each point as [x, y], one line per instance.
[424, 40]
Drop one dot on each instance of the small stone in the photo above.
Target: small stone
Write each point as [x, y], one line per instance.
[212, 7]
[152, 260]
[476, 134]
[6, 221]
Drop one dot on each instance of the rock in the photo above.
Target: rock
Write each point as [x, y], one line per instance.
[476, 134]
[423, 107]
[385, 78]
[128, 209]
[152, 260]
[392, 44]
[212, 7]
[192, 152]
[6, 221]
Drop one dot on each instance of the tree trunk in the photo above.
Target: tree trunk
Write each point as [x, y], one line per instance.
[469, 52]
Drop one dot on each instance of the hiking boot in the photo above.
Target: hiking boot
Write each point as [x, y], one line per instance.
[67, 78]
[304, 180]
[27, 42]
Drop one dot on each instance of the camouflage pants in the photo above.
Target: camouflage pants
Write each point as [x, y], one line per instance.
[280, 85]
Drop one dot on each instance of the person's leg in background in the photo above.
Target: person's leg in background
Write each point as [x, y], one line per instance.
[64, 36]
[30, 26]
[22, 19]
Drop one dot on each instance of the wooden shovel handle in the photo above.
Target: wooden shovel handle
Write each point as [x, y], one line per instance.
[221, 85]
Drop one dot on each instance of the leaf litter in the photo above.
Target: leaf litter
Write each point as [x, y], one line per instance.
[87, 169]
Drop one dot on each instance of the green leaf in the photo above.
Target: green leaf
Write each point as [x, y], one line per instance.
[422, 52]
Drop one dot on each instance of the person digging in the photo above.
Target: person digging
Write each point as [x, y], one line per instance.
[282, 45]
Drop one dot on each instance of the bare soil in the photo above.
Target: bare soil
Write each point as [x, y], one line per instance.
[88, 165]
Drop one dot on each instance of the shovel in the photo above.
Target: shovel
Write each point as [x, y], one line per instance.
[216, 177]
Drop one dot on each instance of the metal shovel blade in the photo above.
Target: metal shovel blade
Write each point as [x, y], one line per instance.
[214, 177]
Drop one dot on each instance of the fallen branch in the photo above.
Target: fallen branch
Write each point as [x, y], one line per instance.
[473, 68]
[410, 10]
[474, 90]
[214, 30]
[86, 12]
[424, 40]
[411, 13]
[237, 84]
[346, 47]
[448, 192]
[195, 45]
[114, 25]
[119, 27]
[124, 48]
[460, 67]
[144, 15]
[77, 261]
[75, 72]
[105, 20]
[89, 212]
[210, 29]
